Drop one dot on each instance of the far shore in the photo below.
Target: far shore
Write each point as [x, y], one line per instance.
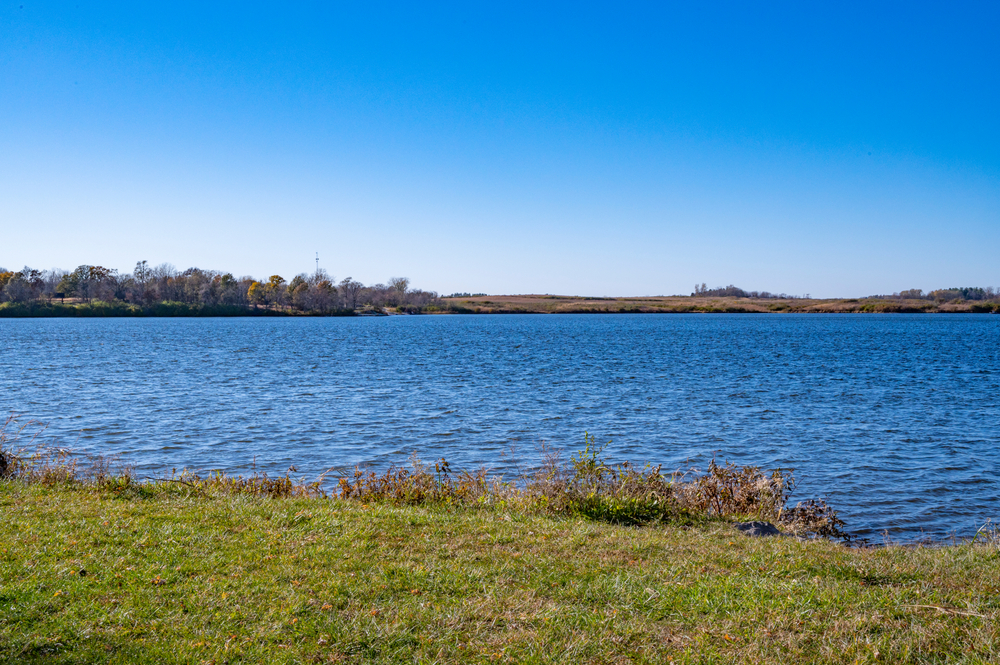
[516, 304]
[553, 304]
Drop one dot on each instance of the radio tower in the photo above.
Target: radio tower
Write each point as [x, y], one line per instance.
[317, 264]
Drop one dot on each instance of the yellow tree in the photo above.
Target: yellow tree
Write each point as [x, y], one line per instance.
[275, 290]
[255, 294]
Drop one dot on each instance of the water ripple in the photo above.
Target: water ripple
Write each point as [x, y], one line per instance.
[892, 418]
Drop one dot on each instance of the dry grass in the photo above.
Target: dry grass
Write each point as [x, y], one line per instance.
[586, 485]
[546, 304]
[621, 494]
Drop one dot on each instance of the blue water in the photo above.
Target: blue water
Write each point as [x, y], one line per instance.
[895, 419]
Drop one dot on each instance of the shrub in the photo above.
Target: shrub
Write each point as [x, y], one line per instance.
[587, 486]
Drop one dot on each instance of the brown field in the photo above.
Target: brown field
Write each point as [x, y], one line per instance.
[549, 304]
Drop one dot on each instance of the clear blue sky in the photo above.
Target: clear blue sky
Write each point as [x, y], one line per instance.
[604, 149]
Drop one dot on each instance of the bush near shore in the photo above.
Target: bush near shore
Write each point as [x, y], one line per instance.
[586, 485]
[96, 566]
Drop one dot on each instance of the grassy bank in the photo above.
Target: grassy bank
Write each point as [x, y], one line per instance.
[547, 304]
[175, 572]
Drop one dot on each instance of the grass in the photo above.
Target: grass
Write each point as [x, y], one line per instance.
[167, 573]
[582, 563]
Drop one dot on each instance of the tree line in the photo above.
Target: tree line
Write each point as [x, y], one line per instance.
[970, 293]
[974, 293]
[147, 286]
[702, 290]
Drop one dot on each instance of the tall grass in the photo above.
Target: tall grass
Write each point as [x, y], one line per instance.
[587, 485]
[620, 494]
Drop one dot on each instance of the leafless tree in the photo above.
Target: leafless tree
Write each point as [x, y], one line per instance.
[350, 290]
[399, 286]
[51, 279]
[322, 293]
[377, 295]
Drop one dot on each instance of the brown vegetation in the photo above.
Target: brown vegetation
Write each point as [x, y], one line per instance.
[551, 304]
[587, 485]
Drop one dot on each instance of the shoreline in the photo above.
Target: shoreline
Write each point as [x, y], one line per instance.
[593, 563]
[620, 492]
[508, 305]
[546, 304]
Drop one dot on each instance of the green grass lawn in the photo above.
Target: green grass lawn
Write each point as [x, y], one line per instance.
[169, 575]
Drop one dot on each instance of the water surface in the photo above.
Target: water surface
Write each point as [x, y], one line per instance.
[894, 418]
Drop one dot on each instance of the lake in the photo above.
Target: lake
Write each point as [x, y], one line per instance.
[895, 419]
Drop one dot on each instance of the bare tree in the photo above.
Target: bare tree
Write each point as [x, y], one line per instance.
[399, 286]
[322, 293]
[51, 278]
[143, 273]
[350, 290]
